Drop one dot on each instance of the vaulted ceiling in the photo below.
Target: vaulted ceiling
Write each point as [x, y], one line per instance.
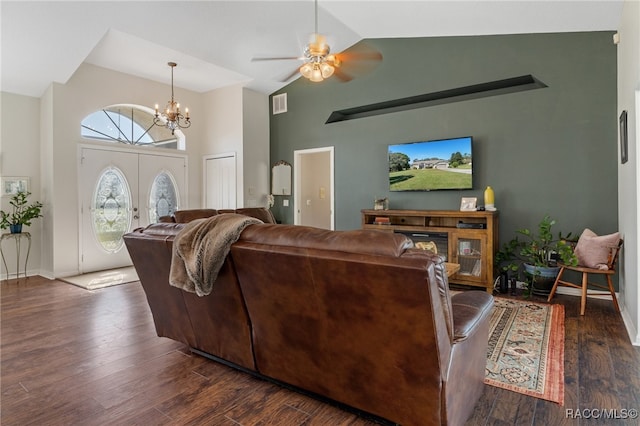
[213, 42]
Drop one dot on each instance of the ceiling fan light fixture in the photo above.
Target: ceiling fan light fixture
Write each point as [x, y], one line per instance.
[326, 69]
[306, 69]
[316, 74]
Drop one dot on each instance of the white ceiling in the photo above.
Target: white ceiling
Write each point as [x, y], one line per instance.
[213, 41]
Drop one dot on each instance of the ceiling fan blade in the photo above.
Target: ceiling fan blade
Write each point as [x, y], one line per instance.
[341, 75]
[356, 61]
[360, 52]
[277, 58]
[290, 75]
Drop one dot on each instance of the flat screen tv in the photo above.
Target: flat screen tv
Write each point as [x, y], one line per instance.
[431, 165]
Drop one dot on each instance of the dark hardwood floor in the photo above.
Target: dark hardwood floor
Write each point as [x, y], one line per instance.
[76, 357]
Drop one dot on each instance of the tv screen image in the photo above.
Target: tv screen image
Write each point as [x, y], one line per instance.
[431, 165]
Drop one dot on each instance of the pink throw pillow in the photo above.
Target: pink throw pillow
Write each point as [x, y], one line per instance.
[593, 250]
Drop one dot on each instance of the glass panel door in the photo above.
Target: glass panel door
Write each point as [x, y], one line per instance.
[109, 204]
[470, 256]
[111, 209]
[468, 251]
[163, 199]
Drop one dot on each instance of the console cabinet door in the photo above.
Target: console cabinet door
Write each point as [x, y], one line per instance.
[469, 250]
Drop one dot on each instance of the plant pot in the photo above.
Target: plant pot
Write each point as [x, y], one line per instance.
[15, 228]
[542, 278]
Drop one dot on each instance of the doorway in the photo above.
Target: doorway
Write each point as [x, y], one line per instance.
[121, 190]
[314, 187]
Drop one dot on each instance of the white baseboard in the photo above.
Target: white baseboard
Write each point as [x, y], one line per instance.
[595, 294]
[634, 335]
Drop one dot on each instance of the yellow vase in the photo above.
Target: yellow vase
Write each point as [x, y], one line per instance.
[489, 199]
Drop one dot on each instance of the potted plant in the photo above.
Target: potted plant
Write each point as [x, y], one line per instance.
[21, 213]
[537, 254]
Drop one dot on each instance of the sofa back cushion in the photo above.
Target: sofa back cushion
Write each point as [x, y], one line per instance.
[344, 315]
[306, 237]
[184, 216]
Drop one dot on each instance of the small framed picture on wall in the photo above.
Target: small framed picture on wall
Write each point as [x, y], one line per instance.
[624, 142]
[13, 184]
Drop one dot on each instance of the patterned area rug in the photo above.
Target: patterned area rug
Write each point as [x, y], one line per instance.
[526, 349]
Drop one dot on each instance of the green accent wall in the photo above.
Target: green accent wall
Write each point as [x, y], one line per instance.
[550, 151]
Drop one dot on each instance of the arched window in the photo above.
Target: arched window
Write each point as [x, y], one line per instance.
[131, 125]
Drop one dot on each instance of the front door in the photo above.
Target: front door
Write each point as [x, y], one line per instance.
[109, 207]
[120, 191]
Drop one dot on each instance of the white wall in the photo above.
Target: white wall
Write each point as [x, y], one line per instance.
[46, 168]
[223, 129]
[629, 173]
[238, 121]
[20, 156]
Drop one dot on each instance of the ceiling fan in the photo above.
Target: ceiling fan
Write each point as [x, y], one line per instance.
[320, 63]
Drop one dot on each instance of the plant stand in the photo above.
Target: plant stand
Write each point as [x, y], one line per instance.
[17, 237]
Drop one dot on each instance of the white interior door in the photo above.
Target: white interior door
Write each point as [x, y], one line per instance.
[109, 207]
[220, 181]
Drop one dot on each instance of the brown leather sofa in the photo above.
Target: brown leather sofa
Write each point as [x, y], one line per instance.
[356, 317]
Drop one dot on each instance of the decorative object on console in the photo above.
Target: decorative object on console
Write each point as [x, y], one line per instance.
[21, 213]
[381, 204]
[489, 199]
[171, 117]
[468, 204]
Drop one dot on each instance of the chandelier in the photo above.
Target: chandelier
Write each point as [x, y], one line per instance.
[171, 117]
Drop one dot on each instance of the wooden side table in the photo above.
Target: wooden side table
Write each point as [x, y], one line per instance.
[452, 268]
[18, 240]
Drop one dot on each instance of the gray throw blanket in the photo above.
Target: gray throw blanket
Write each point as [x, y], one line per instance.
[200, 248]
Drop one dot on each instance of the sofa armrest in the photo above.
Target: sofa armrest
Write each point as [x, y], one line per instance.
[442, 282]
[468, 309]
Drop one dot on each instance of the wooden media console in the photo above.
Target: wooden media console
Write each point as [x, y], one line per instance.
[469, 239]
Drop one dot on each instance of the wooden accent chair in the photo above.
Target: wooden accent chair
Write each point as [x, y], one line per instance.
[614, 251]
